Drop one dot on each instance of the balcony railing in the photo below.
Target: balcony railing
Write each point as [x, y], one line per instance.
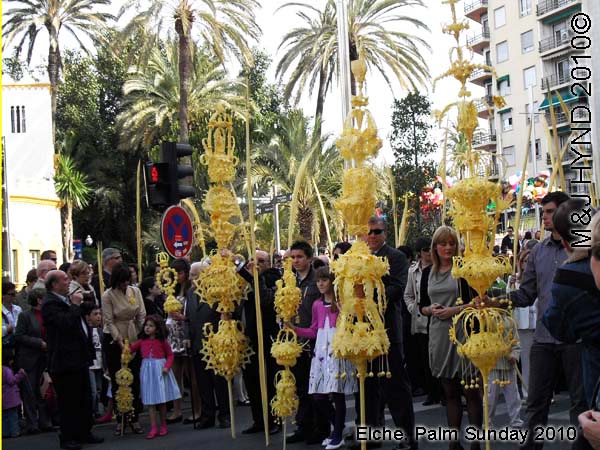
[484, 35]
[484, 139]
[561, 117]
[555, 41]
[557, 79]
[470, 6]
[479, 73]
[545, 6]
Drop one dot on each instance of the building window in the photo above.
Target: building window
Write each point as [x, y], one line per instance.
[527, 41]
[538, 149]
[529, 77]
[34, 256]
[488, 58]
[509, 155]
[500, 17]
[17, 119]
[504, 87]
[15, 266]
[507, 121]
[562, 71]
[524, 7]
[501, 51]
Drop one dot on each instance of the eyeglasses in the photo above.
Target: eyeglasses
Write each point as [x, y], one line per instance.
[376, 231]
[54, 259]
[261, 261]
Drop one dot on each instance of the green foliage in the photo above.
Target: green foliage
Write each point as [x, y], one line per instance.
[71, 185]
[411, 142]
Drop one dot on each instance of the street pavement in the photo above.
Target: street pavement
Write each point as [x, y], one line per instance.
[183, 437]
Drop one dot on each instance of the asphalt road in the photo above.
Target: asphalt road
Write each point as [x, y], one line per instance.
[185, 437]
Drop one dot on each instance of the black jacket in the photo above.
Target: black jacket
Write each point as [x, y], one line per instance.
[68, 346]
[267, 288]
[29, 341]
[198, 313]
[310, 293]
[395, 283]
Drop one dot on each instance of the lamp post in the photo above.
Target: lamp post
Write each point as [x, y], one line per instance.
[343, 55]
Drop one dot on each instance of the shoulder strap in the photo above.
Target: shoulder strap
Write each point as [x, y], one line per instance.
[574, 278]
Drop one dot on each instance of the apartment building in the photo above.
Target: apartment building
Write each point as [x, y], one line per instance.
[528, 43]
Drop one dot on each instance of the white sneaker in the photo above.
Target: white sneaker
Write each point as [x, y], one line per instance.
[325, 442]
[334, 444]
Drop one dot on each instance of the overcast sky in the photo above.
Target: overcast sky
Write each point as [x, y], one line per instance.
[275, 24]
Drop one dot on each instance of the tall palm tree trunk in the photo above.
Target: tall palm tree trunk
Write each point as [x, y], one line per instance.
[54, 63]
[305, 222]
[185, 63]
[67, 215]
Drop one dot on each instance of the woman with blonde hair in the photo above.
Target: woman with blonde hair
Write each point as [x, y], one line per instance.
[439, 294]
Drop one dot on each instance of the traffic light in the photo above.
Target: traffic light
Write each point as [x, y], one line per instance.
[164, 186]
[170, 154]
[158, 186]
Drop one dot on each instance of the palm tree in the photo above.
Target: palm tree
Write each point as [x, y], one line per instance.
[78, 17]
[151, 102]
[224, 26]
[73, 190]
[312, 48]
[292, 160]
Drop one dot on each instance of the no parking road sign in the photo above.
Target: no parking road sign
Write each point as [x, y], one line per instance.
[176, 232]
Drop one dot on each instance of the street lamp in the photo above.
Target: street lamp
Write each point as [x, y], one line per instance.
[89, 241]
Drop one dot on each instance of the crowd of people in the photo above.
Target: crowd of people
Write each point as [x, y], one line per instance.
[64, 332]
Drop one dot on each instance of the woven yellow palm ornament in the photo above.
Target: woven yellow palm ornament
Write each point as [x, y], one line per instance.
[287, 296]
[219, 147]
[285, 402]
[226, 351]
[286, 348]
[360, 332]
[166, 280]
[221, 203]
[219, 285]
[482, 336]
[124, 378]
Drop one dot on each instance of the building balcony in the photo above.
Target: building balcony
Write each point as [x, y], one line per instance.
[558, 42]
[557, 81]
[474, 9]
[494, 171]
[484, 107]
[484, 141]
[549, 8]
[563, 119]
[480, 76]
[578, 188]
[479, 42]
[566, 159]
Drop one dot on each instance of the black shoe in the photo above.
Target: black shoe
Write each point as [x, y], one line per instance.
[274, 429]
[70, 445]
[189, 420]
[33, 431]
[296, 436]
[224, 423]
[430, 401]
[205, 422]
[244, 403]
[316, 438]
[175, 419]
[254, 429]
[93, 439]
[418, 392]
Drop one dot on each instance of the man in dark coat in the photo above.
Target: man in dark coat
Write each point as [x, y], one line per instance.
[267, 278]
[197, 314]
[396, 391]
[70, 353]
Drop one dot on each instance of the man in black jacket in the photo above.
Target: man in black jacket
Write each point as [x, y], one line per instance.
[211, 385]
[267, 278]
[70, 353]
[396, 391]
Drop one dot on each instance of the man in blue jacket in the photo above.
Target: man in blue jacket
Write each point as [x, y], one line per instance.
[574, 312]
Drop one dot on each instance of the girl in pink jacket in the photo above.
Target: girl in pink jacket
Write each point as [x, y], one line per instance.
[329, 376]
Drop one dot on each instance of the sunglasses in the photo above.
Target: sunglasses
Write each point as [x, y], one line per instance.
[376, 231]
[54, 259]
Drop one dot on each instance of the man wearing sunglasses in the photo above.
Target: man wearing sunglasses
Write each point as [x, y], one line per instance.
[395, 391]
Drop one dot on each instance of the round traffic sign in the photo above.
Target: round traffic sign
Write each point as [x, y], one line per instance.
[176, 232]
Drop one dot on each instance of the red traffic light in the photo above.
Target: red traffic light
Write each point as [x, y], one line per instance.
[154, 174]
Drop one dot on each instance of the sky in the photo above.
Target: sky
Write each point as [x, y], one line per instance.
[275, 23]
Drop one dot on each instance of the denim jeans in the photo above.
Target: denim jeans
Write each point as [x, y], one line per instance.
[545, 360]
[10, 422]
